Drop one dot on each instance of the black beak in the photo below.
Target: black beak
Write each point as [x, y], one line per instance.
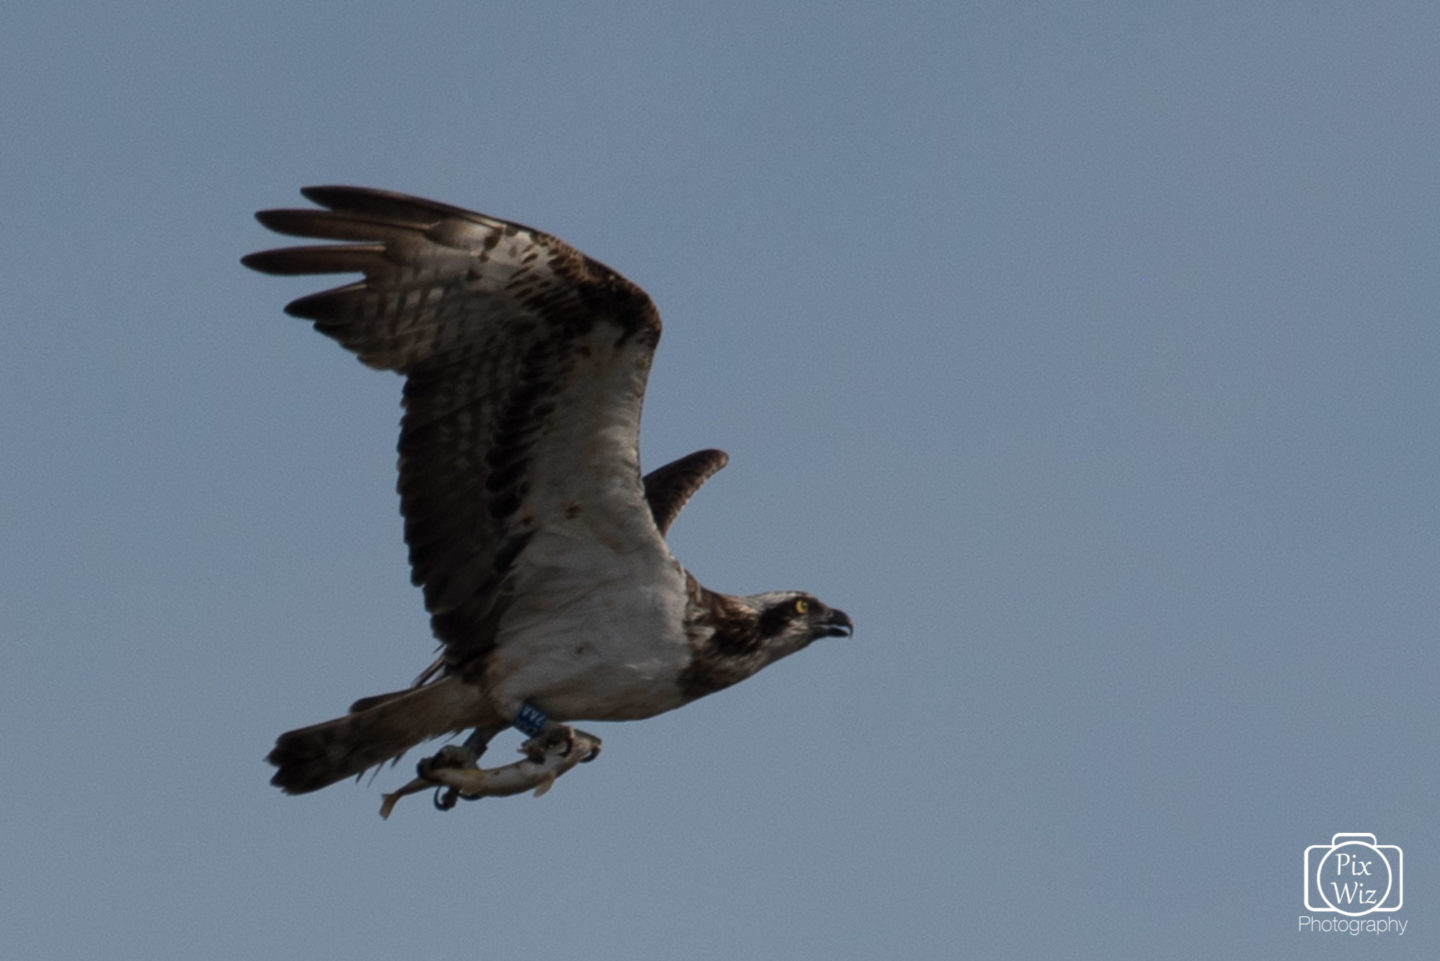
[836, 624]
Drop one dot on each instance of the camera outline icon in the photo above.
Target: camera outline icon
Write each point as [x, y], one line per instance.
[1356, 859]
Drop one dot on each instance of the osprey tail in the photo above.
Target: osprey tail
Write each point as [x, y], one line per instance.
[376, 729]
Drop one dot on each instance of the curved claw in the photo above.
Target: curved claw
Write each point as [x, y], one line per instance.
[447, 801]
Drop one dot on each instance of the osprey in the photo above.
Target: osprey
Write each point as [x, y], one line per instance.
[539, 546]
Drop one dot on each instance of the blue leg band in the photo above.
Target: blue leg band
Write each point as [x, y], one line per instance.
[530, 719]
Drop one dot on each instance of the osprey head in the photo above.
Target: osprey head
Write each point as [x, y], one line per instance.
[734, 637]
[792, 619]
[786, 621]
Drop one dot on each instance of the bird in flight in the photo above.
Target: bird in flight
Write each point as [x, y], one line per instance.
[539, 546]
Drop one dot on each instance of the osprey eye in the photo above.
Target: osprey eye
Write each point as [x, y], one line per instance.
[801, 605]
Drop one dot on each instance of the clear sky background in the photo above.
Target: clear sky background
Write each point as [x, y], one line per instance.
[1085, 353]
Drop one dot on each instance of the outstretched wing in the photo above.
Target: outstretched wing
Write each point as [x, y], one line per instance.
[525, 365]
[669, 488]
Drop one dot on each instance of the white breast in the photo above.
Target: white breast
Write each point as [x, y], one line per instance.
[592, 634]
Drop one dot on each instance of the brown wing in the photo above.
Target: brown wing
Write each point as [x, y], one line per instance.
[525, 365]
[668, 488]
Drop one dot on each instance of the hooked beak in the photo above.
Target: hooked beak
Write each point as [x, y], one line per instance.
[836, 624]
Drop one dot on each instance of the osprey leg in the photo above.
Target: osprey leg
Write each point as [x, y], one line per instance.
[479, 740]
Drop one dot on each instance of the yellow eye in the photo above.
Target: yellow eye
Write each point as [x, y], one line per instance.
[801, 605]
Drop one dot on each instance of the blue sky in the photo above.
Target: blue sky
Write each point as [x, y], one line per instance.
[1085, 354]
